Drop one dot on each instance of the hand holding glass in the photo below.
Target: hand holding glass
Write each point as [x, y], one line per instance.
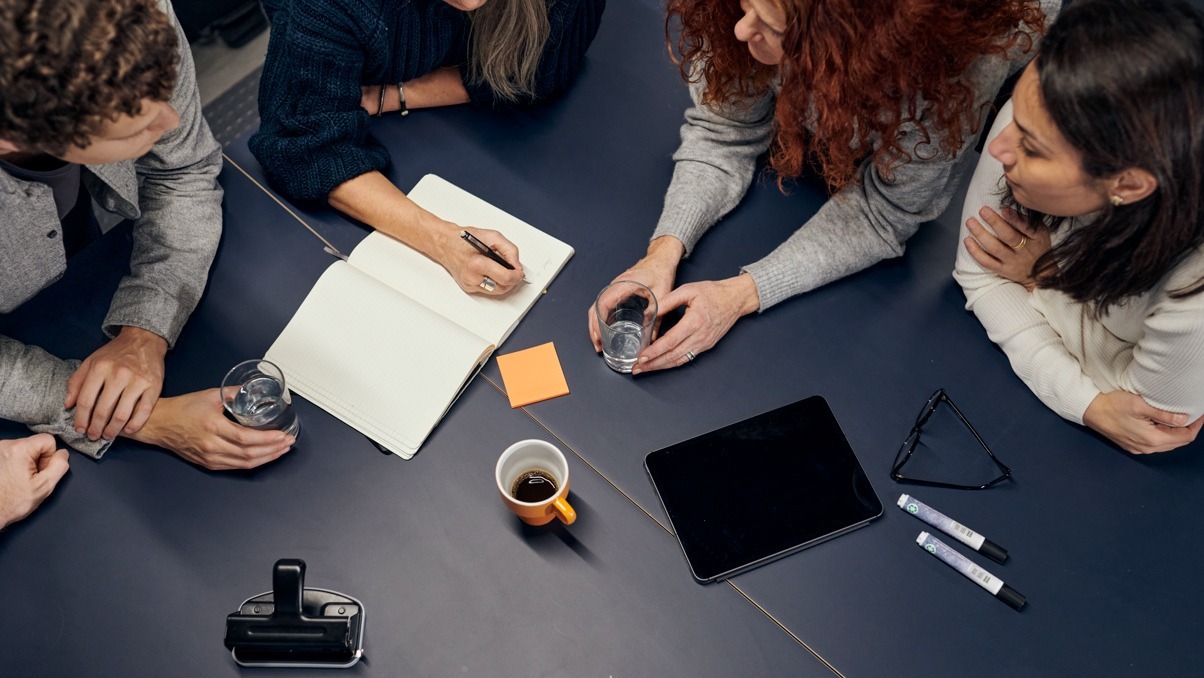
[255, 394]
[626, 314]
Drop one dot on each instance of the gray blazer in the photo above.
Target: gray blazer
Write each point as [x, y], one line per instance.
[173, 198]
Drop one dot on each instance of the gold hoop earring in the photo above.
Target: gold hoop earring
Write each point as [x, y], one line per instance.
[1117, 201]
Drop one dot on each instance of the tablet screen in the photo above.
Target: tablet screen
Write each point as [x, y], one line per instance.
[762, 488]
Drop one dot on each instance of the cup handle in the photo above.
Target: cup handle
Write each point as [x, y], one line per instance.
[564, 512]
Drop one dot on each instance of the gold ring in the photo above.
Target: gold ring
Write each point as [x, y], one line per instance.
[1021, 244]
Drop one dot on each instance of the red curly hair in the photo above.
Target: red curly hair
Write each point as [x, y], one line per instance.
[863, 69]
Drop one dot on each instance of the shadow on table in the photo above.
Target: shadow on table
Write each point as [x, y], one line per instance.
[550, 540]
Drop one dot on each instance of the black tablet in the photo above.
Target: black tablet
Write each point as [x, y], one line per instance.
[760, 489]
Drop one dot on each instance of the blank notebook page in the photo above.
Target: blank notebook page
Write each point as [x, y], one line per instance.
[389, 375]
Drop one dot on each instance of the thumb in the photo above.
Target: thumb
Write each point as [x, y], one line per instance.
[74, 384]
[678, 297]
[54, 468]
[1164, 417]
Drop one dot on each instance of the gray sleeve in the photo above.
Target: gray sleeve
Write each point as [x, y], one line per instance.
[177, 233]
[714, 164]
[871, 220]
[864, 223]
[34, 384]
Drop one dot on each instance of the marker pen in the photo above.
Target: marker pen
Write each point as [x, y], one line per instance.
[967, 567]
[952, 528]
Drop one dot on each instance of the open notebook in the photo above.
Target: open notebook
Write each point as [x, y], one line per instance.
[386, 341]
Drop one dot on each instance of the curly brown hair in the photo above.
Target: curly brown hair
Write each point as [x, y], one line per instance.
[70, 66]
[856, 72]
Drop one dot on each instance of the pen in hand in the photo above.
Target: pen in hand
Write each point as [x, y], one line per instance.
[488, 251]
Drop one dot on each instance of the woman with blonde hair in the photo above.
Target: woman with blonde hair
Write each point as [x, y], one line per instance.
[332, 63]
[881, 97]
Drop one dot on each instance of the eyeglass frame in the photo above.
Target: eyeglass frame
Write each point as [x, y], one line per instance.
[901, 457]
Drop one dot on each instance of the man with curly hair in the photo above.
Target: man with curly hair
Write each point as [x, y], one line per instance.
[100, 120]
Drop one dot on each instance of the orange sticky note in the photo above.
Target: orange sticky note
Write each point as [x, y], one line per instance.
[532, 375]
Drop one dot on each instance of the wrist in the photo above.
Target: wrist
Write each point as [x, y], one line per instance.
[150, 431]
[750, 298]
[442, 238]
[1095, 412]
[665, 251]
[138, 335]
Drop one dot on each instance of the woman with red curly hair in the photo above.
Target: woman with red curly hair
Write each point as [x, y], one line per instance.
[880, 96]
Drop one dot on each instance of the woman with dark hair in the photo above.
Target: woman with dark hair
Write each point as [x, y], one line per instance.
[332, 63]
[1091, 272]
[880, 97]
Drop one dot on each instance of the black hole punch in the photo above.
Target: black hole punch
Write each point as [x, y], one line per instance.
[290, 626]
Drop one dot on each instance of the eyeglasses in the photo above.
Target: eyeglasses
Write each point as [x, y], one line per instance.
[913, 440]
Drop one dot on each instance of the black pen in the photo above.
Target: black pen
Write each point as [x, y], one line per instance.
[488, 251]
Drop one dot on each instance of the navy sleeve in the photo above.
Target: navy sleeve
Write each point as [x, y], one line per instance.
[313, 135]
[574, 23]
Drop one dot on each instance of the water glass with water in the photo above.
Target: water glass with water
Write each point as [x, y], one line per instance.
[255, 394]
[626, 313]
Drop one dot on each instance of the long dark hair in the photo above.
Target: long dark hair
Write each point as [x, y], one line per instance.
[1123, 80]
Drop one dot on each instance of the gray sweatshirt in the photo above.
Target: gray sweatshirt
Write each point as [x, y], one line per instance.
[864, 223]
[173, 197]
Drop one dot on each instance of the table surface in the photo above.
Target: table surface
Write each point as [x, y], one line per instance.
[1101, 542]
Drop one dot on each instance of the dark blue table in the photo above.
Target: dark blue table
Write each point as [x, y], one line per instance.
[132, 564]
[1102, 543]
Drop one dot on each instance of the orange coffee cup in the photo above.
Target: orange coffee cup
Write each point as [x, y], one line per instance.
[537, 463]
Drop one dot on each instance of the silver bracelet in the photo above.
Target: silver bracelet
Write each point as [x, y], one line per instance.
[401, 95]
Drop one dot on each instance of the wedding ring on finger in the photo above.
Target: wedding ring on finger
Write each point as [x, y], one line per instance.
[1020, 245]
[690, 356]
[487, 284]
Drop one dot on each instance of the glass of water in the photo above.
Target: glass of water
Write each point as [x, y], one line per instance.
[254, 393]
[626, 313]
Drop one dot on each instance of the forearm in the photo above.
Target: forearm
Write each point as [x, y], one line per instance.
[33, 385]
[440, 87]
[374, 200]
[176, 236]
[1167, 366]
[714, 166]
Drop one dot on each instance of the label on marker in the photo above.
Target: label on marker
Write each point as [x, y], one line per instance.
[960, 563]
[941, 522]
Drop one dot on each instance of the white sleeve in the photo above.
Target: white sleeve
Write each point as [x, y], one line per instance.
[1167, 368]
[1034, 348]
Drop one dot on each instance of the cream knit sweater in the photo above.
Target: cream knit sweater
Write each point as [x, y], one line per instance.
[1151, 345]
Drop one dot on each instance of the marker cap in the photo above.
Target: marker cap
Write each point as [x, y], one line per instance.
[993, 551]
[1011, 596]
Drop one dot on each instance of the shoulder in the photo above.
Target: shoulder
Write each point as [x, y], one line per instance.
[989, 71]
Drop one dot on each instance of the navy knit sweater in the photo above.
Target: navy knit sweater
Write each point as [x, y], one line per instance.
[313, 134]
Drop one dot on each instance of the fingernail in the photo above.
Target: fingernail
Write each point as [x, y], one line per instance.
[985, 211]
[635, 371]
[280, 437]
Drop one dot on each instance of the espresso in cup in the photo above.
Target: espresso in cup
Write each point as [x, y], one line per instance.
[534, 486]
